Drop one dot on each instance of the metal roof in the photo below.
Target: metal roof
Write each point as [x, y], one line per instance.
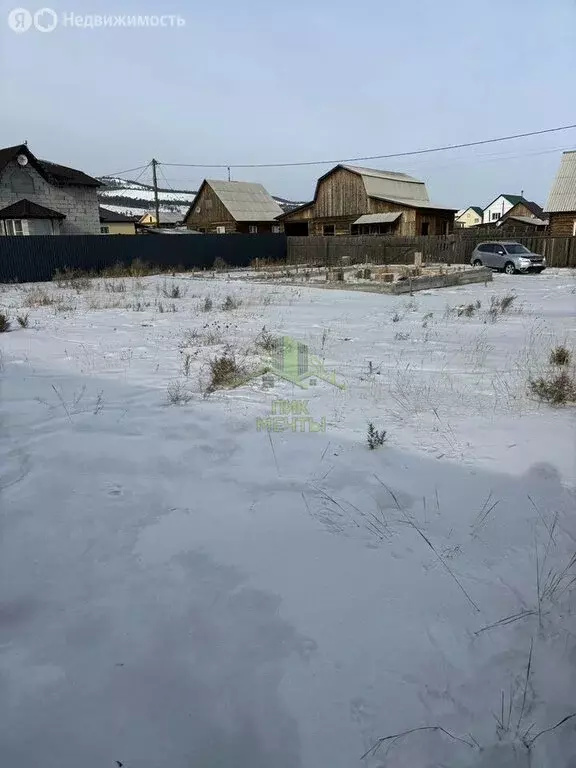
[532, 220]
[412, 203]
[563, 193]
[246, 201]
[389, 183]
[378, 218]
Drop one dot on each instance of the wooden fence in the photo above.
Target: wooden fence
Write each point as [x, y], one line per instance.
[387, 249]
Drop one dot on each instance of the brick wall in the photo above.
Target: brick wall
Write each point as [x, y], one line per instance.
[78, 204]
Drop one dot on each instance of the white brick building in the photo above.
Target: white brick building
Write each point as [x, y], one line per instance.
[41, 198]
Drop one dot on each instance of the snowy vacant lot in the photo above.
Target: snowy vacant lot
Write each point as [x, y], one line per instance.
[180, 588]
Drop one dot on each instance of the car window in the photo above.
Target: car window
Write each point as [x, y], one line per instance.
[516, 248]
[486, 248]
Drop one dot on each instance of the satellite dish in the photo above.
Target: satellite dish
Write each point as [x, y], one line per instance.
[22, 160]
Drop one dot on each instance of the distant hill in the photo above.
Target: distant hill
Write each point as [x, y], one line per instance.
[133, 198]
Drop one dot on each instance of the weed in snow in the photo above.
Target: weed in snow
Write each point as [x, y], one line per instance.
[560, 356]
[177, 394]
[23, 320]
[555, 388]
[4, 322]
[375, 438]
[230, 303]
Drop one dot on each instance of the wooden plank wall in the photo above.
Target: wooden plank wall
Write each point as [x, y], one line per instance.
[386, 249]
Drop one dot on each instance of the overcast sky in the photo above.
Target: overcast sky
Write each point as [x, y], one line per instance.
[260, 81]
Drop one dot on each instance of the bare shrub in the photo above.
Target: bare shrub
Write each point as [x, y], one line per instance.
[226, 372]
[23, 320]
[396, 317]
[73, 278]
[115, 286]
[560, 356]
[500, 306]
[173, 291]
[374, 438]
[186, 364]
[220, 265]
[230, 303]
[208, 304]
[177, 393]
[267, 341]
[401, 336]
[38, 297]
[555, 388]
[4, 323]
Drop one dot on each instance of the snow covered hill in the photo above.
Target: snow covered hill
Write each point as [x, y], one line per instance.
[133, 198]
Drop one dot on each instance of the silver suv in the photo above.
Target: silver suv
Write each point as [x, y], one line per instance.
[508, 256]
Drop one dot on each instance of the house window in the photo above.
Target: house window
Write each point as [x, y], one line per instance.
[220, 230]
[275, 228]
[15, 227]
[329, 229]
[495, 215]
[21, 182]
[104, 230]
[253, 229]
[208, 204]
[198, 209]
[425, 229]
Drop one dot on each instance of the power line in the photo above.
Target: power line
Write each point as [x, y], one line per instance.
[130, 170]
[375, 157]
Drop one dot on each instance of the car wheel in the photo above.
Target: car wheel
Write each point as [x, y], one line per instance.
[476, 263]
[539, 271]
[509, 268]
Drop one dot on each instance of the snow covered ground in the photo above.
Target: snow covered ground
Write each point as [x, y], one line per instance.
[180, 587]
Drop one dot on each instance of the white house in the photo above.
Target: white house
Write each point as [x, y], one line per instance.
[500, 207]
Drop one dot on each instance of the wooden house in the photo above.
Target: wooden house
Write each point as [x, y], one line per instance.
[223, 207]
[353, 200]
[561, 206]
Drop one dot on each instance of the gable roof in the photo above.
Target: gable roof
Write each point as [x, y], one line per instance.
[476, 208]
[563, 193]
[107, 215]
[534, 221]
[512, 199]
[166, 217]
[25, 209]
[58, 175]
[390, 186]
[244, 201]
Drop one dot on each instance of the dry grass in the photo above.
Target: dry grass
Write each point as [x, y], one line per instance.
[208, 304]
[230, 303]
[23, 320]
[38, 297]
[73, 278]
[4, 323]
[560, 356]
[267, 342]
[173, 291]
[226, 372]
[374, 438]
[555, 388]
[115, 286]
[500, 306]
[177, 394]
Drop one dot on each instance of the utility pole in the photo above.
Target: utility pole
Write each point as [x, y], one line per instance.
[155, 182]
[228, 173]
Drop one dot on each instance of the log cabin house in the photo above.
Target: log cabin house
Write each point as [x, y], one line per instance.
[351, 200]
[561, 206]
[223, 207]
